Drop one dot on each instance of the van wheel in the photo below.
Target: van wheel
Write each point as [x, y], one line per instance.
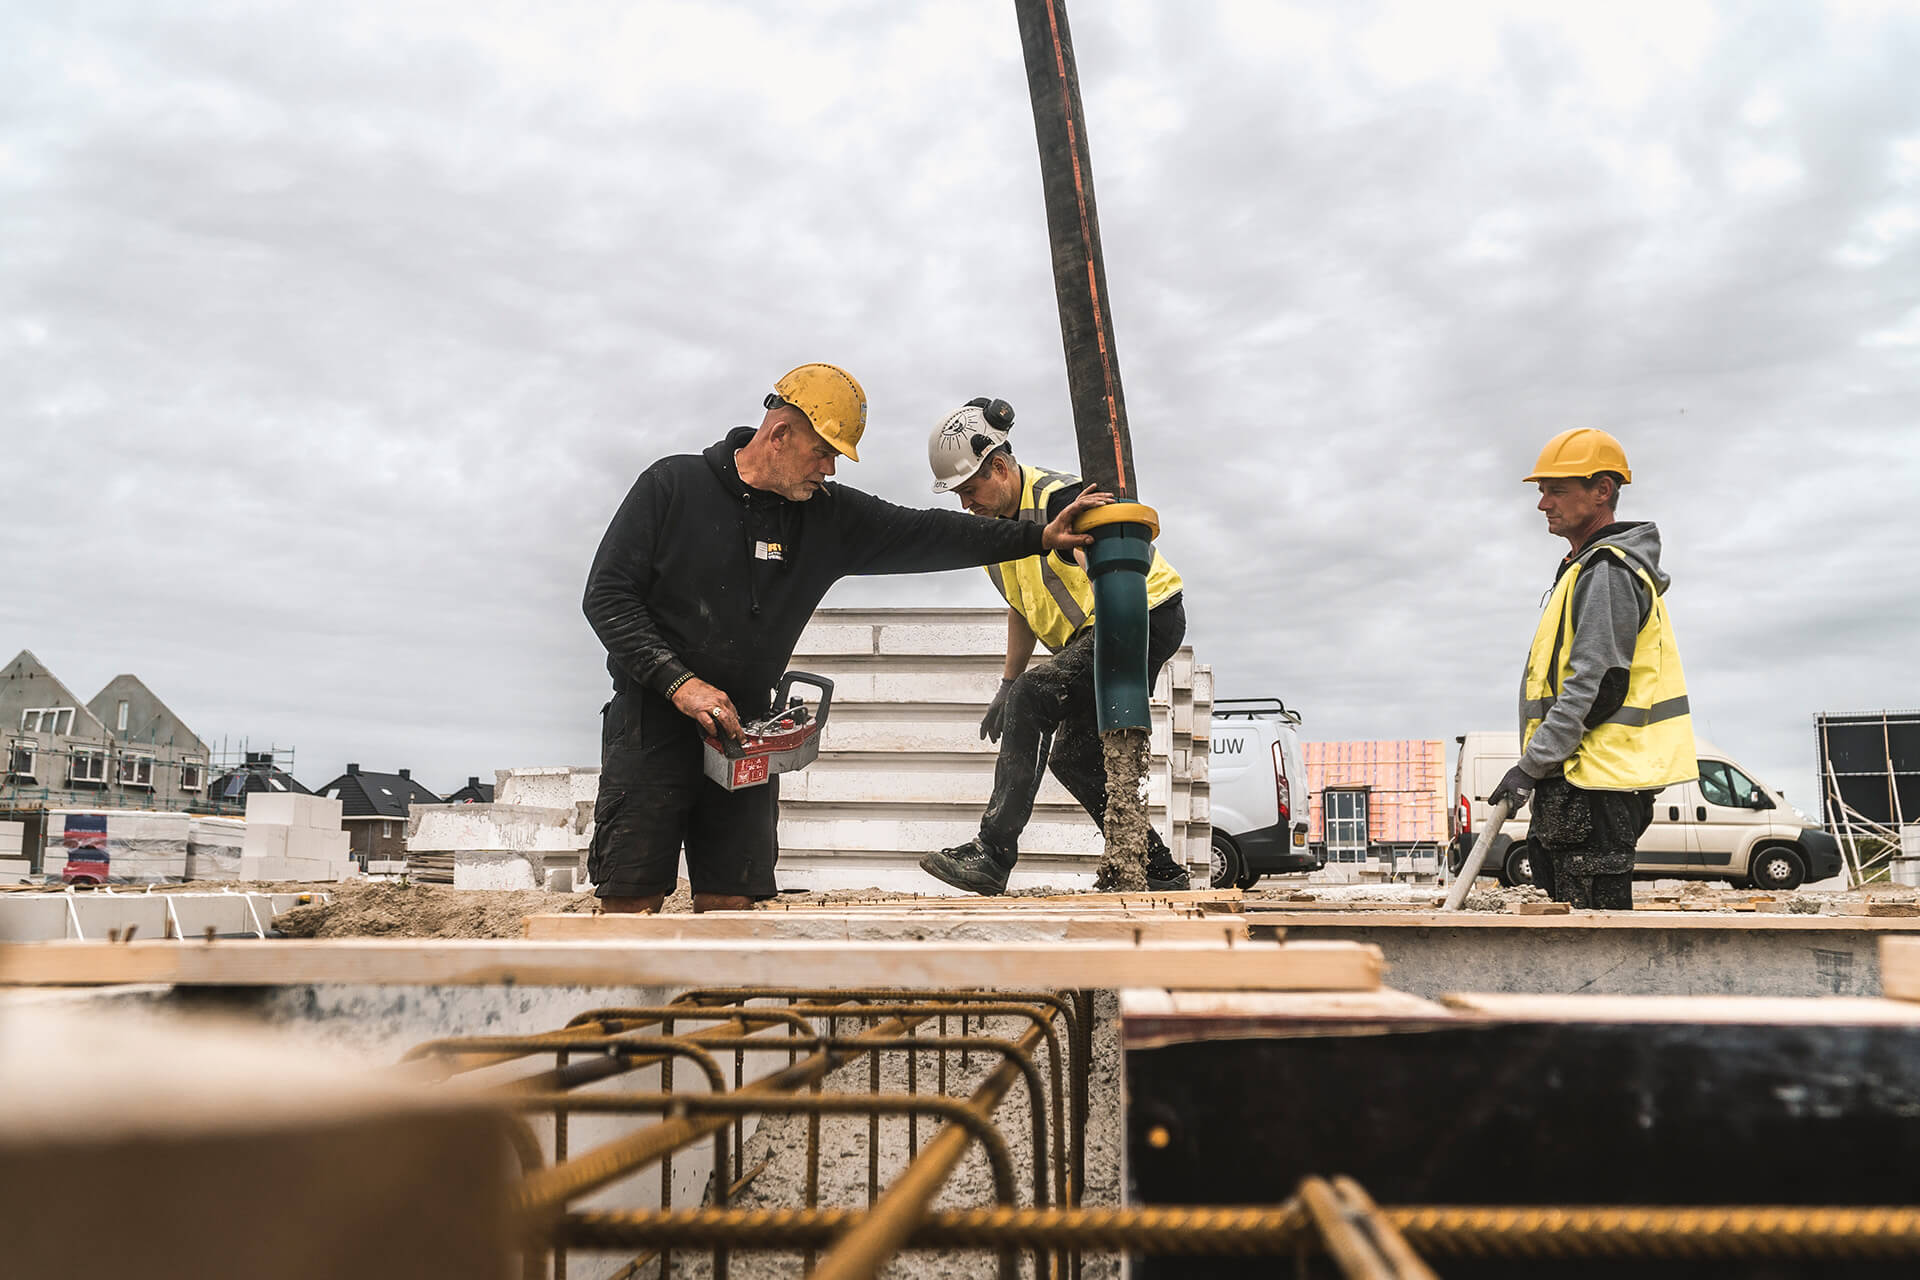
[1518, 868]
[1778, 867]
[1225, 867]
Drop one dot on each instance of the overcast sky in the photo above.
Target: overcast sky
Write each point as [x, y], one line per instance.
[331, 335]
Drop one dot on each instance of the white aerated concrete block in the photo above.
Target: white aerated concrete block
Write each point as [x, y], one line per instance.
[304, 869]
[551, 787]
[264, 840]
[315, 845]
[823, 639]
[290, 809]
[496, 869]
[943, 640]
[450, 828]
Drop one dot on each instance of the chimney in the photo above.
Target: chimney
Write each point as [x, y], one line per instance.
[353, 769]
[473, 782]
[406, 773]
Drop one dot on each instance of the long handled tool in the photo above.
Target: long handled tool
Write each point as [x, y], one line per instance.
[1470, 869]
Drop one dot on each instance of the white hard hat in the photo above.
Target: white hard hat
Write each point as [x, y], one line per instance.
[969, 435]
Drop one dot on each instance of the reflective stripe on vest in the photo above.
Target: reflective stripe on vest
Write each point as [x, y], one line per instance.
[1648, 742]
[1055, 596]
[1538, 707]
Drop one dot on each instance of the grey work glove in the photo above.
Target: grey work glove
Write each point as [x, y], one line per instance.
[1516, 787]
[996, 713]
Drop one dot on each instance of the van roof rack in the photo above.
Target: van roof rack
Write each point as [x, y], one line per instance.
[1253, 709]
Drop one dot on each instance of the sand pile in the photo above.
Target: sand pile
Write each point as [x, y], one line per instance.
[427, 911]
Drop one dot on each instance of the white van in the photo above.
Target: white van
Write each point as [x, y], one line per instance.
[1257, 787]
[1723, 826]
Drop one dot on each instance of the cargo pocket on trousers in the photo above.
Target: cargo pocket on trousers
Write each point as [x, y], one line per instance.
[1562, 818]
[606, 811]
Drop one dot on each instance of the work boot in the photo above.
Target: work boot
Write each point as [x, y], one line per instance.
[1164, 875]
[972, 866]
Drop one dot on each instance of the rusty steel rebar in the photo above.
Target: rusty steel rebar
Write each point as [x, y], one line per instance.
[1437, 1231]
[547, 1192]
[861, 1252]
[912, 1046]
[964, 1114]
[1361, 1242]
[1018, 1009]
[606, 1042]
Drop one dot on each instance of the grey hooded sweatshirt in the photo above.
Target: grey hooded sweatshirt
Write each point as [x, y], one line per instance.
[1610, 605]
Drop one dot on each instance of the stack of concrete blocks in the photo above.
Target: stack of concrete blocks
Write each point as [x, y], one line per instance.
[1904, 865]
[294, 837]
[14, 863]
[140, 846]
[496, 846]
[214, 848]
[572, 787]
[903, 768]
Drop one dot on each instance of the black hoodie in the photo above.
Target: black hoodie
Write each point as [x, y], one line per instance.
[700, 573]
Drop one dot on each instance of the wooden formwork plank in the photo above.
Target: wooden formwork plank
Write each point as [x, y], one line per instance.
[1245, 966]
[1900, 968]
[1195, 899]
[1686, 921]
[1144, 927]
[1817, 1010]
[1332, 904]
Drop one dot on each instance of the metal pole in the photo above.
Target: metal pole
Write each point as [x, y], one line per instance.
[1470, 869]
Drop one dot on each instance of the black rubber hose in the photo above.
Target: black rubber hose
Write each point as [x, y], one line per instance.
[1073, 230]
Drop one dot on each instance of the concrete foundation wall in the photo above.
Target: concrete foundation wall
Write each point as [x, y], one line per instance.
[1649, 961]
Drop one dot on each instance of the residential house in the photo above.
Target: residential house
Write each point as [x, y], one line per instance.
[475, 792]
[373, 809]
[124, 749]
[259, 772]
[1378, 808]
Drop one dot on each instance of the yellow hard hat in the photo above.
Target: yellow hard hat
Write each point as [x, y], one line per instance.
[832, 401]
[1583, 452]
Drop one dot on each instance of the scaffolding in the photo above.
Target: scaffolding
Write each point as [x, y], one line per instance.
[1870, 790]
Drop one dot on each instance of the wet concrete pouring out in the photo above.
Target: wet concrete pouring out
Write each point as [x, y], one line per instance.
[1123, 867]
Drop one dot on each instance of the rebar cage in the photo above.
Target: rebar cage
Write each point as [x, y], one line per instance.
[1024, 1106]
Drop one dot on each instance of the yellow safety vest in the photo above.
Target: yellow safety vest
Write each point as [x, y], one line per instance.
[1648, 742]
[1055, 595]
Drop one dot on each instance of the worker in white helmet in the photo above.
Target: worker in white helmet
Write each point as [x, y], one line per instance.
[1044, 717]
[699, 592]
[1604, 717]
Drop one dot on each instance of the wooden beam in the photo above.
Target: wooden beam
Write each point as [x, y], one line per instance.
[1816, 1010]
[1641, 920]
[1014, 926]
[1246, 966]
[1900, 967]
[1195, 899]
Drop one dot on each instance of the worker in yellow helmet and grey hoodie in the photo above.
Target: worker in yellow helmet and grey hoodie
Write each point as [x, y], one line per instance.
[1604, 717]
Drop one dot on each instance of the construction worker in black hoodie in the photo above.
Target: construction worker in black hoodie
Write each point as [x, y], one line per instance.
[1604, 717]
[1043, 717]
[700, 589]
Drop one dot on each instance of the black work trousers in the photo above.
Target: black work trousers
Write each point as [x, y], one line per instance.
[1057, 702]
[1583, 843]
[655, 798]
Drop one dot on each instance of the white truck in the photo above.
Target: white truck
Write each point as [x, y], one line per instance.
[1724, 826]
[1258, 788]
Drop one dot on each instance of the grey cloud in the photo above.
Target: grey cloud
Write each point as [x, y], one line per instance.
[353, 324]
